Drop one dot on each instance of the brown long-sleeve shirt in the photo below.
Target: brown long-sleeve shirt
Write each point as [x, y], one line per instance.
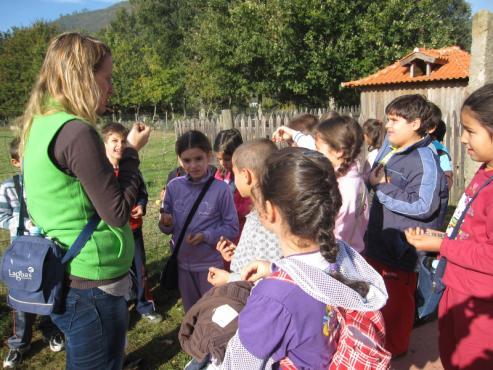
[78, 151]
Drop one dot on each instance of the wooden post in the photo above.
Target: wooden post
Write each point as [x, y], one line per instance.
[481, 68]
[226, 119]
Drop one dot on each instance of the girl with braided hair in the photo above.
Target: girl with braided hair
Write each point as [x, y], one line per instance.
[298, 299]
[340, 139]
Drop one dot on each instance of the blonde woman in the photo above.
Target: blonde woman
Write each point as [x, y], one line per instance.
[68, 179]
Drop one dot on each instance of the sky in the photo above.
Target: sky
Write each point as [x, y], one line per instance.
[22, 13]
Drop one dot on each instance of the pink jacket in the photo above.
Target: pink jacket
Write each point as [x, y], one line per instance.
[352, 219]
[243, 205]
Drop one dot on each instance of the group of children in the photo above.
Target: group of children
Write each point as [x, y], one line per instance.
[298, 214]
[325, 233]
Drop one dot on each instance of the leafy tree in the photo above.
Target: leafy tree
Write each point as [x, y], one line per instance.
[300, 51]
[22, 52]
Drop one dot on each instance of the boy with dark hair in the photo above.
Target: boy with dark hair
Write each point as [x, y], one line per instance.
[115, 141]
[10, 212]
[256, 242]
[410, 191]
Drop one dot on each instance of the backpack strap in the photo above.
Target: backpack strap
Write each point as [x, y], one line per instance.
[455, 231]
[22, 204]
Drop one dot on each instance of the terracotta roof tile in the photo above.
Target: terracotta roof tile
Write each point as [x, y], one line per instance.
[455, 66]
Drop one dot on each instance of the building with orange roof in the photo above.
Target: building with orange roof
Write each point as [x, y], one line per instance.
[441, 75]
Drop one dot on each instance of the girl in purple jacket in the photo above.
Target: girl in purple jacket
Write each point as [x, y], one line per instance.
[215, 217]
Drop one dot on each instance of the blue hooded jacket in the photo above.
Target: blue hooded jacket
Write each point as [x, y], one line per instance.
[416, 195]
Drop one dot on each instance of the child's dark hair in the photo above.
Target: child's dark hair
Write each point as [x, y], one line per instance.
[253, 154]
[14, 148]
[114, 128]
[437, 128]
[375, 132]
[304, 122]
[192, 139]
[227, 141]
[411, 107]
[480, 104]
[440, 131]
[303, 186]
[342, 133]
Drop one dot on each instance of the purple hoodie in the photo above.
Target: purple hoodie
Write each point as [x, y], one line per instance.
[215, 217]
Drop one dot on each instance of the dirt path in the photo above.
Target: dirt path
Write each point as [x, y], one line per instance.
[423, 350]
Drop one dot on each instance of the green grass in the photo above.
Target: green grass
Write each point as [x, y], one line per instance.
[155, 344]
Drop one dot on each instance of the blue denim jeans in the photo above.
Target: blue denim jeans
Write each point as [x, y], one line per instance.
[23, 329]
[95, 325]
[145, 302]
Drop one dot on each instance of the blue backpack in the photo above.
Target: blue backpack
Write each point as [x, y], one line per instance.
[33, 267]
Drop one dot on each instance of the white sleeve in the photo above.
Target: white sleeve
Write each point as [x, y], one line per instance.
[304, 141]
[237, 357]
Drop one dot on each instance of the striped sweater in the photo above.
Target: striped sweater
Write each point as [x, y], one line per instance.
[10, 208]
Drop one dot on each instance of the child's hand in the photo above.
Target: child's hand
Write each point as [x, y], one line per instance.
[428, 241]
[283, 134]
[226, 248]
[217, 277]
[195, 239]
[137, 211]
[138, 135]
[166, 220]
[377, 175]
[256, 270]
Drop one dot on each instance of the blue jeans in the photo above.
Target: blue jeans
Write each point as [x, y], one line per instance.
[95, 325]
[145, 302]
[23, 329]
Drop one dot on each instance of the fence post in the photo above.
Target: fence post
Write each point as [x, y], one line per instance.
[226, 119]
[481, 68]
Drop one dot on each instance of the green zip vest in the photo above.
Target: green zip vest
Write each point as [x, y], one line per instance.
[58, 204]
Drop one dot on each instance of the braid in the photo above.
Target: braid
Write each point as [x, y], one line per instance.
[328, 245]
[351, 152]
[347, 161]
[345, 134]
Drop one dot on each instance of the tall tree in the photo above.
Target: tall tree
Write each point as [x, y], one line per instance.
[22, 52]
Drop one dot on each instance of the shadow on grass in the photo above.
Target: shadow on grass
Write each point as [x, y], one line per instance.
[158, 351]
[36, 347]
[164, 299]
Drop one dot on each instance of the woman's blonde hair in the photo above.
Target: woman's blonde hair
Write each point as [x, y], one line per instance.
[66, 81]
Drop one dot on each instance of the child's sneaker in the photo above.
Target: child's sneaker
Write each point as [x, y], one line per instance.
[153, 317]
[57, 342]
[14, 357]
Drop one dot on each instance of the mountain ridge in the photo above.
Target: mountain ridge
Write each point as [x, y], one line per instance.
[91, 21]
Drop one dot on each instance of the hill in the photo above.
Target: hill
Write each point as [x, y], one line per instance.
[91, 21]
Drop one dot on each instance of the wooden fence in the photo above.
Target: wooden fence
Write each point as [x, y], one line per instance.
[253, 126]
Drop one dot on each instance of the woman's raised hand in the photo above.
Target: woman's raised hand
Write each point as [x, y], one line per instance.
[138, 135]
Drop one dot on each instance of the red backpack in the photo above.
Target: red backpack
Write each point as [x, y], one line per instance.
[361, 339]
